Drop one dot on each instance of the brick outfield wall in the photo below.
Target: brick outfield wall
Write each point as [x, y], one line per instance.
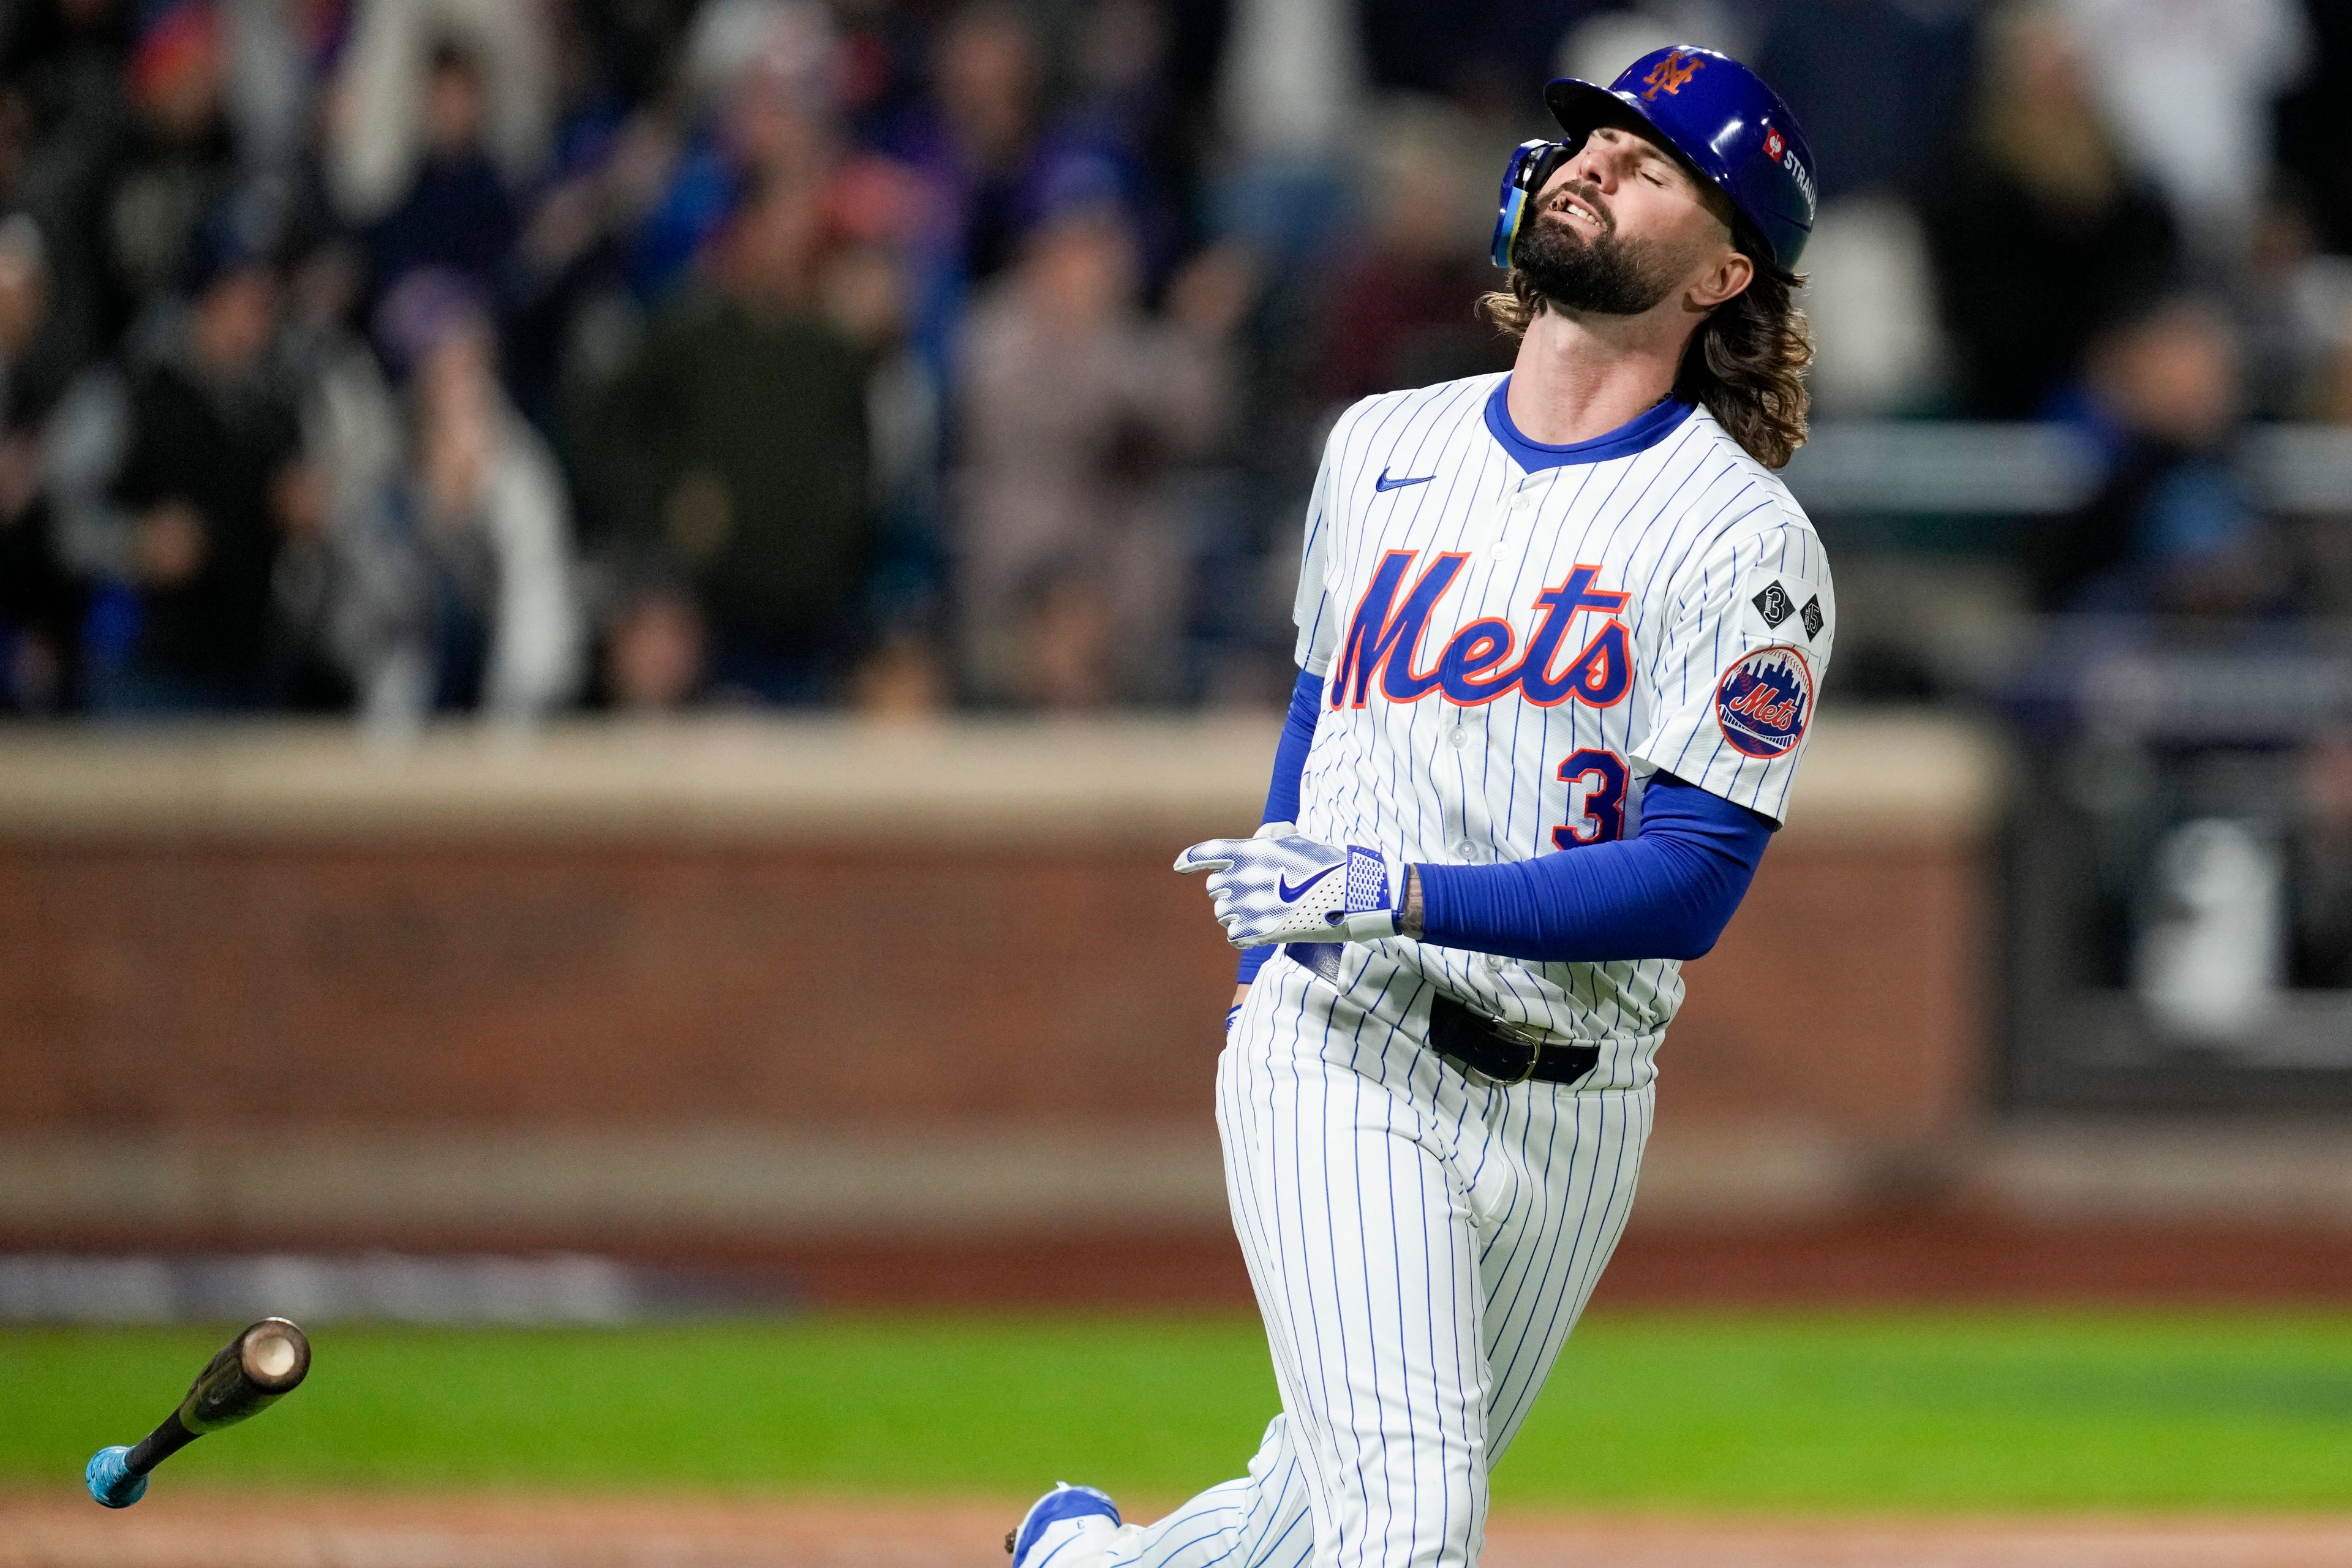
[905, 1015]
[225, 986]
[923, 1018]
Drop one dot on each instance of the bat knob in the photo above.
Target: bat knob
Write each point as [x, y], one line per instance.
[110, 1479]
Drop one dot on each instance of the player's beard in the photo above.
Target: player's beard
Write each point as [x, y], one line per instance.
[1601, 273]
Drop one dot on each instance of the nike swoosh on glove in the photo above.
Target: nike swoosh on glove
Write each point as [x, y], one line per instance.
[1293, 888]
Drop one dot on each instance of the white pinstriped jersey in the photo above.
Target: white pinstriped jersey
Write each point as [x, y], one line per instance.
[1515, 637]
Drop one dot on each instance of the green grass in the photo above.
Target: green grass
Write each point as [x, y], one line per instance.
[1810, 1411]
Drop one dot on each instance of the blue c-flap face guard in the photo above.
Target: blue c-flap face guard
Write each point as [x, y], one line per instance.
[1533, 163]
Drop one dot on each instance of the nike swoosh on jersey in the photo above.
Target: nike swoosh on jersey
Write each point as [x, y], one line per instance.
[1386, 483]
[1282, 884]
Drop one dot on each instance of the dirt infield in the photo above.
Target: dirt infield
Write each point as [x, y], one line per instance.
[194, 1530]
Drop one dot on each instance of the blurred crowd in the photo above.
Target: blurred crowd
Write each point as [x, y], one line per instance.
[402, 357]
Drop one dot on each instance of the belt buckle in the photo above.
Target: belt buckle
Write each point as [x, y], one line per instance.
[1521, 1035]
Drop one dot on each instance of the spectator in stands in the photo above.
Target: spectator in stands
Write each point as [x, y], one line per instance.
[62, 106]
[1070, 560]
[34, 366]
[657, 652]
[41, 604]
[121, 183]
[2314, 135]
[2189, 86]
[61, 61]
[2042, 233]
[383, 116]
[1127, 107]
[569, 312]
[867, 298]
[2172, 529]
[730, 457]
[1398, 306]
[2294, 305]
[328, 580]
[468, 594]
[211, 481]
[457, 213]
[988, 146]
[758, 80]
[977, 137]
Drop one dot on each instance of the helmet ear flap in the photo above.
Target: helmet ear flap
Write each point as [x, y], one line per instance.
[1532, 166]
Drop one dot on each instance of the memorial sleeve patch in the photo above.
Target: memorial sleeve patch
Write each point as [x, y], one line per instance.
[1783, 607]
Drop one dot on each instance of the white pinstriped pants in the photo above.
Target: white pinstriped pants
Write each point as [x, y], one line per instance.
[1420, 1244]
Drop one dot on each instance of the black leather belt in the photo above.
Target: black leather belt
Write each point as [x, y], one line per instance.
[1469, 1040]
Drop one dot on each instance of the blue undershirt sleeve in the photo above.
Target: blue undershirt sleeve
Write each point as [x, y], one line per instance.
[1282, 794]
[1666, 892]
[1290, 752]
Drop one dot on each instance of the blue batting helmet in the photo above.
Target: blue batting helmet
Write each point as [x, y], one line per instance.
[1712, 110]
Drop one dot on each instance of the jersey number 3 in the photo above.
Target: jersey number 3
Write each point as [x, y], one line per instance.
[1596, 799]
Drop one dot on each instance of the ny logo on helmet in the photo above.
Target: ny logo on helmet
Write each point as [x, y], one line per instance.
[1669, 74]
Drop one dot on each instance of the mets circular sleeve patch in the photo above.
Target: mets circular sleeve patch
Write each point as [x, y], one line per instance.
[1764, 701]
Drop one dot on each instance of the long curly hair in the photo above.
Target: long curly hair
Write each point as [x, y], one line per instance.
[1746, 363]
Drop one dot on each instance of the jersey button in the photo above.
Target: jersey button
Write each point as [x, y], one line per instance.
[1460, 737]
[1465, 850]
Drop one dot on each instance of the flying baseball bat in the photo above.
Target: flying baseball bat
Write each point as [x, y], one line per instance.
[251, 1372]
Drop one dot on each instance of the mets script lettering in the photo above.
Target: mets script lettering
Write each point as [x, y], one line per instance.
[1475, 666]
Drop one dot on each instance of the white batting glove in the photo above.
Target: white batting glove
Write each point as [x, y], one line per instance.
[1281, 886]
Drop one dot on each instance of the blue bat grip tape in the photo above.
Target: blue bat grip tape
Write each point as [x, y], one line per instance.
[110, 1481]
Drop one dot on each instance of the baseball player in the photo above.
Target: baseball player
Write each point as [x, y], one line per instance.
[1560, 633]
